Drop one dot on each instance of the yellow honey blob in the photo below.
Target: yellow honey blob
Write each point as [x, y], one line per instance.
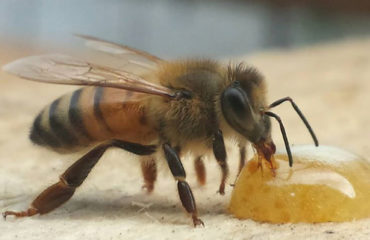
[325, 184]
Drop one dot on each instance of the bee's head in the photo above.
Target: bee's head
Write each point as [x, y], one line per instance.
[243, 104]
[244, 107]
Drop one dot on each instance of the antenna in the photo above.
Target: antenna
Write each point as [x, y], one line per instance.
[278, 102]
[282, 129]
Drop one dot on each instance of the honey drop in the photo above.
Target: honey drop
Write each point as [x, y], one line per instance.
[325, 184]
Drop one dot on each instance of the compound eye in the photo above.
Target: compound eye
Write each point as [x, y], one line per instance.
[235, 102]
[237, 111]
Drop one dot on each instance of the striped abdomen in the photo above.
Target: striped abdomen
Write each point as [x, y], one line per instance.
[90, 115]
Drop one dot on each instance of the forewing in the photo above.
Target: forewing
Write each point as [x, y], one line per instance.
[62, 69]
[125, 54]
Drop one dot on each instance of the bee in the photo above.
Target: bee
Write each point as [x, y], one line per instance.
[173, 107]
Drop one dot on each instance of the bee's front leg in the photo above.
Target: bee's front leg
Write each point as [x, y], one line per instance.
[242, 154]
[220, 154]
[185, 193]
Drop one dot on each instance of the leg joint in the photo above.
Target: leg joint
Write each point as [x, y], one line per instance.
[180, 179]
[66, 184]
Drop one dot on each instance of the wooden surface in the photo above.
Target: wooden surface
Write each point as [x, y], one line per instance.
[329, 82]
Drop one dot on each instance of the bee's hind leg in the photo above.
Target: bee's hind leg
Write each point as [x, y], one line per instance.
[62, 191]
[185, 193]
[73, 177]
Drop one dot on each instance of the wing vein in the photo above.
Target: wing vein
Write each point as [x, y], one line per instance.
[62, 69]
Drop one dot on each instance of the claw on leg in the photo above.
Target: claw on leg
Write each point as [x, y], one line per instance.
[197, 221]
[30, 212]
[148, 187]
[221, 190]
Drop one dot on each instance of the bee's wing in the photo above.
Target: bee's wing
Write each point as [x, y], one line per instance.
[125, 54]
[62, 69]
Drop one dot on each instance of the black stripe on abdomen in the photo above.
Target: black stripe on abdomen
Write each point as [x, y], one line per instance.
[99, 91]
[41, 136]
[59, 129]
[75, 114]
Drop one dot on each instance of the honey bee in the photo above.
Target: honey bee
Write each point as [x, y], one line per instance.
[172, 108]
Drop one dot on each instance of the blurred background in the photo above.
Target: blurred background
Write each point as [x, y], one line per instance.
[315, 51]
[171, 29]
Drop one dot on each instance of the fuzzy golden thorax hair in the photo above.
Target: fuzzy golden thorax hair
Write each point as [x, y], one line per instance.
[199, 116]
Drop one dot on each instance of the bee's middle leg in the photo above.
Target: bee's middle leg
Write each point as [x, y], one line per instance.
[149, 171]
[200, 170]
[185, 193]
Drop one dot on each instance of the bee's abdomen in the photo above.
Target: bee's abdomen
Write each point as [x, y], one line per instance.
[60, 125]
[90, 115]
